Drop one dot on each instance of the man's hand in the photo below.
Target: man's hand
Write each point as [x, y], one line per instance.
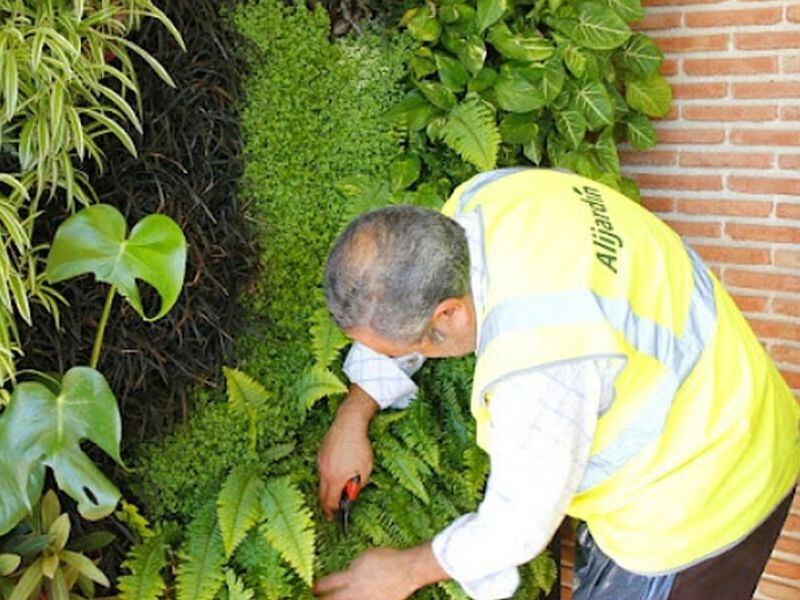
[383, 574]
[345, 450]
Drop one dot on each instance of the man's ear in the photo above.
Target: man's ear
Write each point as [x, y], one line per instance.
[450, 313]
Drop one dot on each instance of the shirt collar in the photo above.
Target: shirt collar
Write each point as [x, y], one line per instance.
[472, 223]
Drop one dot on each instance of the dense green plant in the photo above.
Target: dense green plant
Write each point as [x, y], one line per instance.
[66, 79]
[40, 557]
[549, 82]
[314, 154]
[47, 419]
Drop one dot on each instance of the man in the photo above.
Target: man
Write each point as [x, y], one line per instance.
[615, 382]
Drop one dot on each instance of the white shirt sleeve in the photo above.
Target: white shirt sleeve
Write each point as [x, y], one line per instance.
[387, 380]
[541, 429]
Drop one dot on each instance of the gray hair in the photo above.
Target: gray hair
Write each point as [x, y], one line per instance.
[391, 267]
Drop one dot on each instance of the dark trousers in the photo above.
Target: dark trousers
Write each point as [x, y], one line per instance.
[732, 575]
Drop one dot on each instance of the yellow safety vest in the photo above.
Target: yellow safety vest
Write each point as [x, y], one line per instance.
[701, 441]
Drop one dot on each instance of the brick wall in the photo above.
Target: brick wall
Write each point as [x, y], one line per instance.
[726, 175]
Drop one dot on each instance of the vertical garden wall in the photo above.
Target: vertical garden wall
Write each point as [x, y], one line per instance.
[274, 135]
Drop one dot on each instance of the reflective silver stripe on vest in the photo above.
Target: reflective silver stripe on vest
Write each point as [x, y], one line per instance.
[678, 354]
[480, 181]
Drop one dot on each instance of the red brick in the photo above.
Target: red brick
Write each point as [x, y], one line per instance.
[719, 18]
[650, 157]
[669, 67]
[787, 258]
[734, 256]
[658, 204]
[785, 354]
[789, 161]
[788, 545]
[678, 182]
[750, 303]
[692, 43]
[711, 112]
[764, 233]
[773, 329]
[762, 185]
[767, 40]
[767, 89]
[793, 380]
[747, 208]
[758, 280]
[677, 2]
[785, 306]
[788, 210]
[790, 113]
[700, 90]
[760, 160]
[766, 137]
[695, 229]
[670, 20]
[793, 14]
[730, 66]
[790, 64]
[690, 136]
[782, 568]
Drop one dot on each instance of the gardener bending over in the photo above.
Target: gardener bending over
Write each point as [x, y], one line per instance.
[616, 382]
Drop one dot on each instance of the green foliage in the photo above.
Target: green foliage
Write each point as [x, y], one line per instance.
[95, 240]
[200, 573]
[553, 83]
[238, 507]
[288, 526]
[43, 427]
[61, 92]
[144, 564]
[40, 558]
[246, 398]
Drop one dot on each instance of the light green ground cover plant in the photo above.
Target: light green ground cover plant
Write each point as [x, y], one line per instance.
[241, 479]
[66, 79]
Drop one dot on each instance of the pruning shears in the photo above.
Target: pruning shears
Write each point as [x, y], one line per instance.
[349, 495]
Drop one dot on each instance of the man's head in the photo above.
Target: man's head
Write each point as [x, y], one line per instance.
[397, 279]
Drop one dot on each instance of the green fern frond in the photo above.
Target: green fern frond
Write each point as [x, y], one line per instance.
[238, 507]
[144, 563]
[408, 470]
[476, 463]
[471, 130]
[415, 431]
[543, 571]
[326, 338]
[316, 384]
[200, 573]
[453, 590]
[246, 397]
[262, 564]
[235, 587]
[288, 526]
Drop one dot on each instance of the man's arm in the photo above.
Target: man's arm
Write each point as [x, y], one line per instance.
[383, 574]
[345, 450]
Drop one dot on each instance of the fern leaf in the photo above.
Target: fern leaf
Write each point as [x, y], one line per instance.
[288, 526]
[476, 462]
[262, 564]
[238, 507]
[246, 397]
[236, 589]
[316, 384]
[471, 130]
[144, 563]
[407, 469]
[544, 571]
[326, 338]
[453, 590]
[200, 572]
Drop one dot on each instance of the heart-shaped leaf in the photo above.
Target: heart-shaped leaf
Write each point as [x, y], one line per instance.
[44, 428]
[94, 240]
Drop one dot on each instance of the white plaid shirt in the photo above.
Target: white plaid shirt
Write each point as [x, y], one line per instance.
[542, 425]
